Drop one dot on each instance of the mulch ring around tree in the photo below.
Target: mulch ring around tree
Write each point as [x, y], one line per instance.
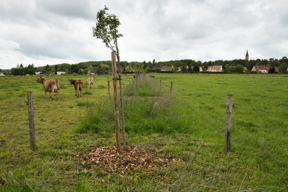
[129, 157]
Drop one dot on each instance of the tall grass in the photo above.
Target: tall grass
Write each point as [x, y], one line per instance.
[155, 113]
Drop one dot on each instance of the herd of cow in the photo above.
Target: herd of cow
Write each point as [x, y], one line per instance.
[52, 85]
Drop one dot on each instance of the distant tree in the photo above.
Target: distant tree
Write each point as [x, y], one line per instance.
[128, 68]
[56, 67]
[196, 68]
[21, 65]
[153, 61]
[189, 68]
[90, 69]
[271, 70]
[31, 72]
[227, 68]
[238, 68]
[283, 68]
[81, 71]
[85, 71]
[183, 69]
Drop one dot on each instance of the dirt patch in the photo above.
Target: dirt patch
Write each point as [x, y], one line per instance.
[129, 157]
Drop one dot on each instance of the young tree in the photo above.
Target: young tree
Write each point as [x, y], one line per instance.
[107, 30]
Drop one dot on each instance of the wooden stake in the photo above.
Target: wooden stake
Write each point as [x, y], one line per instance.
[108, 89]
[116, 109]
[229, 105]
[171, 89]
[31, 121]
[160, 82]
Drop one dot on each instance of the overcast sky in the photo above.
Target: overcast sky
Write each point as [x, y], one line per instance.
[60, 31]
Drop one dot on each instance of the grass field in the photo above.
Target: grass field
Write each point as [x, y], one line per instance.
[192, 129]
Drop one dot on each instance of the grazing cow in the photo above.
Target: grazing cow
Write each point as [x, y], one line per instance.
[90, 82]
[78, 84]
[27, 75]
[49, 85]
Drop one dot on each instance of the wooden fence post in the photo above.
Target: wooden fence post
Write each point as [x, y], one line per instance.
[160, 82]
[109, 89]
[171, 89]
[116, 109]
[229, 105]
[135, 85]
[31, 121]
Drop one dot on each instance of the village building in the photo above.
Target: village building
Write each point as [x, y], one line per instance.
[200, 69]
[216, 68]
[260, 68]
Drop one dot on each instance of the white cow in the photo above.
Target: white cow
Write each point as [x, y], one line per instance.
[90, 82]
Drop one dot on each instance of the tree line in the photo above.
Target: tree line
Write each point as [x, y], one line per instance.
[104, 67]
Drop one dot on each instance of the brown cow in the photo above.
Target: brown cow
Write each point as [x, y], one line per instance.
[49, 85]
[78, 84]
[90, 82]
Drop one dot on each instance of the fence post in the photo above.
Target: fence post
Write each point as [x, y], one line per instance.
[171, 89]
[135, 85]
[31, 121]
[229, 105]
[116, 108]
[109, 89]
[160, 82]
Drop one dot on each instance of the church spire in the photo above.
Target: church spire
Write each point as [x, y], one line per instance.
[247, 56]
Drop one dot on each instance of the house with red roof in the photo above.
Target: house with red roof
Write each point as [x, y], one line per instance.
[260, 68]
[216, 68]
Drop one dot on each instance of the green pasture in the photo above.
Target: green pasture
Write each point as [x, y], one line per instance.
[190, 126]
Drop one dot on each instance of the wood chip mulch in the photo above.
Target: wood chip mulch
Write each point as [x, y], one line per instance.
[129, 157]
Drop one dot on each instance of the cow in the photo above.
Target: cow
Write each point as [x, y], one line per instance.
[90, 82]
[49, 85]
[78, 84]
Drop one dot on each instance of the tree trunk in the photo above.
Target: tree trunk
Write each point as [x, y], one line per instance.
[116, 109]
[121, 100]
